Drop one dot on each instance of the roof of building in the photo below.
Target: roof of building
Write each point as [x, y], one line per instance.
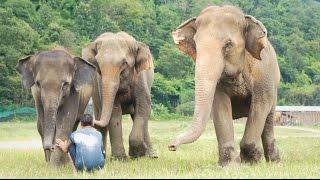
[298, 108]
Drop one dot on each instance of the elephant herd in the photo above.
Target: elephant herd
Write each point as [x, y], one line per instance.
[236, 75]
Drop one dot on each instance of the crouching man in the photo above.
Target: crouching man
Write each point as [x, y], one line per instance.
[85, 146]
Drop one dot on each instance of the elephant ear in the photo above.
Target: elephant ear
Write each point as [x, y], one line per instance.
[183, 37]
[144, 59]
[89, 52]
[84, 73]
[256, 36]
[25, 68]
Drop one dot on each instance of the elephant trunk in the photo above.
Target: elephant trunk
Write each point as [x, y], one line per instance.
[47, 154]
[109, 90]
[49, 124]
[208, 72]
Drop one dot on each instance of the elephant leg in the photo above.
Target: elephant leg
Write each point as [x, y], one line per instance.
[139, 140]
[259, 110]
[58, 157]
[222, 118]
[115, 132]
[137, 145]
[104, 133]
[271, 152]
[150, 151]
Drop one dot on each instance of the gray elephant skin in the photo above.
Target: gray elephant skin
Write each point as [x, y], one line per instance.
[123, 84]
[61, 86]
[236, 75]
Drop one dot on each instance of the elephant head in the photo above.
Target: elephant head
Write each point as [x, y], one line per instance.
[218, 41]
[53, 76]
[117, 56]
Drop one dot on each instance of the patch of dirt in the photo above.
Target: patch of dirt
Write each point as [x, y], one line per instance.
[30, 144]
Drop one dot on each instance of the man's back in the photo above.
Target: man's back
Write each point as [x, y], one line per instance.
[88, 147]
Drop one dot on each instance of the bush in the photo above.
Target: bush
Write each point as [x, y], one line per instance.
[186, 109]
[160, 112]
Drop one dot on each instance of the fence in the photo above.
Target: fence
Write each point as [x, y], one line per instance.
[285, 115]
[8, 113]
[295, 115]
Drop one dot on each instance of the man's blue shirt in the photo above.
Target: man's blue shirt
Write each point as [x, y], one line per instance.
[88, 148]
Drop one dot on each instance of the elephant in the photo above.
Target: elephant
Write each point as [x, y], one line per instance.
[125, 73]
[61, 86]
[236, 75]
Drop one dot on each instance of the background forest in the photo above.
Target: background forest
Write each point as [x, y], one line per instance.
[28, 26]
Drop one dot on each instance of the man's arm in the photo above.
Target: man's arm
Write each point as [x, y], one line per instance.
[64, 145]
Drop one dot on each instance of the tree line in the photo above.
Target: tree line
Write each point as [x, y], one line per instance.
[28, 26]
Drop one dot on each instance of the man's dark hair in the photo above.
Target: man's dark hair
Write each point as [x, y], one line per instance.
[86, 120]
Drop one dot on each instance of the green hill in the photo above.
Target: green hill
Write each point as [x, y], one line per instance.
[27, 26]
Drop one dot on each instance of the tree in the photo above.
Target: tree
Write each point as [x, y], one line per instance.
[28, 26]
[17, 39]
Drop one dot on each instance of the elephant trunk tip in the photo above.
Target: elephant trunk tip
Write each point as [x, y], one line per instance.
[47, 155]
[188, 137]
[100, 123]
[49, 146]
[173, 146]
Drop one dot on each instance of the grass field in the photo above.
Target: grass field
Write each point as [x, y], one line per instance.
[299, 148]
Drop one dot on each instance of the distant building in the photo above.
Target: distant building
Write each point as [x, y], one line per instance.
[297, 115]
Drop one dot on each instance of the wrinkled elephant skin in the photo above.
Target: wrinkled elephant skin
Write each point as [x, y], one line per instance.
[61, 86]
[236, 75]
[123, 85]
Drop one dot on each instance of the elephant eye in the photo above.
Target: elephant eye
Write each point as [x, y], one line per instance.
[124, 65]
[65, 85]
[228, 45]
[38, 84]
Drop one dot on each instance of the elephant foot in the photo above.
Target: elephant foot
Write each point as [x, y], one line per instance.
[58, 158]
[228, 155]
[250, 153]
[271, 152]
[122, 158]
[137, 150]
[151, 154]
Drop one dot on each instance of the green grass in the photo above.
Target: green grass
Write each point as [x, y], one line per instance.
[18, 130]
[299, 148]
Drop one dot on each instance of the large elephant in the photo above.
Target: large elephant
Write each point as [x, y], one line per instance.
[61, 87]
[236, 75]
[123, 86]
